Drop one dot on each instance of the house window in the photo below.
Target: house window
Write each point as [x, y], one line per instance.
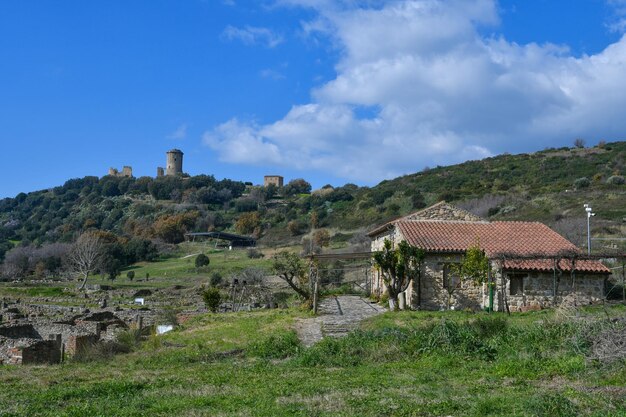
[450, 279]
[516, 284]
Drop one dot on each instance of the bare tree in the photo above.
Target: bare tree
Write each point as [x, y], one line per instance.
[290, 268]
[85, 255]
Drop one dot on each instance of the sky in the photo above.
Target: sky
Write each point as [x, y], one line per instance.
[333, 91]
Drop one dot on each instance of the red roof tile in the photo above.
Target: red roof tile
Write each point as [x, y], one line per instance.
[524, 239]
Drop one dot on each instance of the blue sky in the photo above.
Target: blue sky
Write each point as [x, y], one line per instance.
[332, 91]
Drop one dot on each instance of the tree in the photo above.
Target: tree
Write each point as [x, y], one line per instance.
[202, 260]
[248, 223]
[297, 186]
[321, 238]
[130, 275]
[290, 268]
[474, 265]
[579, 143]
[85, 255]
[398, 267]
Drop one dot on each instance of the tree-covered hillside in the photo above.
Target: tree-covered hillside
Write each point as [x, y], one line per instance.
[549, 186]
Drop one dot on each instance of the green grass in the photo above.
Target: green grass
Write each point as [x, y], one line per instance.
[400, 364]
[38, 291]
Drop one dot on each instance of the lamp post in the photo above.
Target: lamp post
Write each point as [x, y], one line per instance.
[590, 213]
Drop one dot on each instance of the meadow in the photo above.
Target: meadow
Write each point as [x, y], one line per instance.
[402, 364]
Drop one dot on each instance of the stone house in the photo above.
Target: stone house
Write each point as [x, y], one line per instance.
[532, 266]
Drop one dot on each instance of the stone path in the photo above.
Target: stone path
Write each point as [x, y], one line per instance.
[337, 317]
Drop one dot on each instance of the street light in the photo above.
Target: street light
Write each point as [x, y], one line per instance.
[589, 214]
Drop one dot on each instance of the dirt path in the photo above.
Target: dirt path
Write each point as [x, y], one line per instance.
[337, 317]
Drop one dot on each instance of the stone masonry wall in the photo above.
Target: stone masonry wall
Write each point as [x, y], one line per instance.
[434, 296]
[539, 287]
[444, 211]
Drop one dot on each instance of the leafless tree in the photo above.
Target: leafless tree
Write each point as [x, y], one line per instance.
[85, 255]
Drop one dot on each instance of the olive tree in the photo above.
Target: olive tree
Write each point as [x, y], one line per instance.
[398, 267]
[291, 269]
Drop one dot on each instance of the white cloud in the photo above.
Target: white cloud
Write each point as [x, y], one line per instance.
[251, 35]
[180, 133]
[617, 22]
[435, 92]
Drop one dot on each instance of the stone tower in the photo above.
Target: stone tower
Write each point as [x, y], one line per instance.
[174, 162]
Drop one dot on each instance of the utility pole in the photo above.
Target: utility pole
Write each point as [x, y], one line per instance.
[590, 213]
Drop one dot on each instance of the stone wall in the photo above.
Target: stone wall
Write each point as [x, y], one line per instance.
[539, 289]
[444, 211]
[26, 351]
[16, 331]
[434, 296]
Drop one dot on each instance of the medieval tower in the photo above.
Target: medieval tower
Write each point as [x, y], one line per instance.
[174, 162]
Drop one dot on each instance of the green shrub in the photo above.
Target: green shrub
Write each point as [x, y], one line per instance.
[277, 346]
[582, 183]
[254, 253]
[128, 340]
[615, 180]
[202, 260]
[216, 279]
[212, 298]
[130, 275]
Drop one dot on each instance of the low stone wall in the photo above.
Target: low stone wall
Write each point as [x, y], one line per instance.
[26, 351]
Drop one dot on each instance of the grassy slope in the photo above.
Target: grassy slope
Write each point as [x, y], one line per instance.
[183, 373]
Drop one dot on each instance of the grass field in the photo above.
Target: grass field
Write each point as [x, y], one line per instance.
[175, 269]
[404, 364]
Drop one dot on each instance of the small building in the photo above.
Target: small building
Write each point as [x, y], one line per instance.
[276, 180]
[532, 266]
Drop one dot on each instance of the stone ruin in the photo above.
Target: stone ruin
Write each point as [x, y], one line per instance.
[38, 340]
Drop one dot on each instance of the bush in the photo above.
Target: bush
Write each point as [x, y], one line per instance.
[254, 253]
[130, 275]
[277, 346]
[212, 298]
[296, 227]
[202, 260]
[128, 340]
[615, 180]
[582, 183]
[216, 279]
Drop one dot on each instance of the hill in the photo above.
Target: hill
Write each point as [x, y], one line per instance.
[548, 186]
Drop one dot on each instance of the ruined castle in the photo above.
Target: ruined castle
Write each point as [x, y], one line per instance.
[174, 166]
[174, 163]
[127, 171]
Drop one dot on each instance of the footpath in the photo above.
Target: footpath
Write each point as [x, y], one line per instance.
[338, 315]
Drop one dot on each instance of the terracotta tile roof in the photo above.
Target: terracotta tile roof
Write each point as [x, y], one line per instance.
[545, 265]
[524, 239]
